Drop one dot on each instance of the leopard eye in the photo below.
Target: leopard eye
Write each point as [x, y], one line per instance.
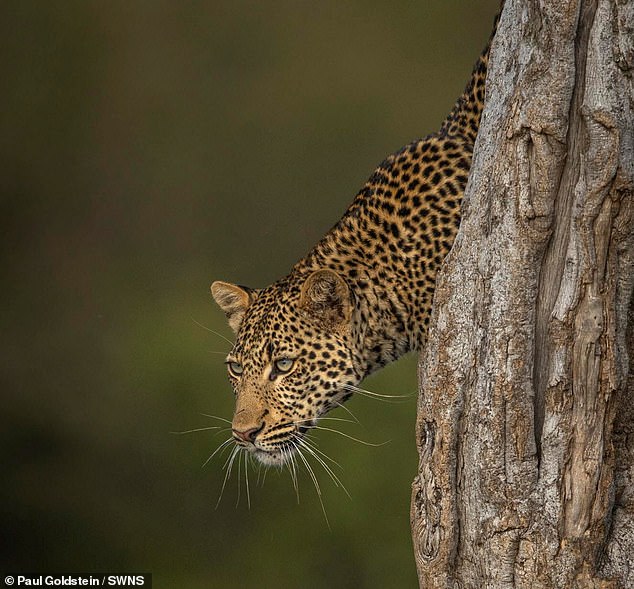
[235, 368]
[284, 364]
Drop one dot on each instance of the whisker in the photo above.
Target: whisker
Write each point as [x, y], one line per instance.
[301, 421]
[289, 461]
[266, 470]
[198, 429]
[294, 467]
[246, 478]
[348, 410]
[223, 445]
[329, 429]
[212, 331]
[311, 472]
[372, 394]
[313, 445]
[238, 475]
[216, 417]
[329, 471]
[235, 450]
[229, 462]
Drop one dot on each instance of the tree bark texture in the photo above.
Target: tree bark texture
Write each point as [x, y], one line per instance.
[525, 425]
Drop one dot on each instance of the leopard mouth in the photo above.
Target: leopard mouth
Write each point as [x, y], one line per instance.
[284, 449]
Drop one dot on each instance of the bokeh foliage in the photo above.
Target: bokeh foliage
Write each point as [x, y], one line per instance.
[147, 148]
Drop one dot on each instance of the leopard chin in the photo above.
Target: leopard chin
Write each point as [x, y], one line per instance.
[270, 457]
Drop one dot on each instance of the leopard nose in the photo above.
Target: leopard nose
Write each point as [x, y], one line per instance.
[247, 435]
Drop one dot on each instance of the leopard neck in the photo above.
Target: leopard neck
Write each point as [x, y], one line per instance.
[393, 238]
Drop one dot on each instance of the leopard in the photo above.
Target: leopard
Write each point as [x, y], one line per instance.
[362, 296]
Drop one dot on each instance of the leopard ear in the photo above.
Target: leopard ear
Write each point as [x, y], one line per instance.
[233, 300]
[325, 296]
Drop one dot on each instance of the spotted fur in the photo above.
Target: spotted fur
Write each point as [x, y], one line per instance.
[362, 296]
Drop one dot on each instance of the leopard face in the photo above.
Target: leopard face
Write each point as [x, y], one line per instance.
[292, 360]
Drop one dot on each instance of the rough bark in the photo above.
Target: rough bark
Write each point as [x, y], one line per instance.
[525, 424]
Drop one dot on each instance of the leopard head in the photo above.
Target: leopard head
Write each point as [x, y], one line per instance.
[293, 359]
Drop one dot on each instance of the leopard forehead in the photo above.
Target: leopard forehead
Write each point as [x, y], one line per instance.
[275, 326]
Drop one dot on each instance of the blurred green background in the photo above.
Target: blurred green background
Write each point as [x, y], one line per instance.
[148, 148]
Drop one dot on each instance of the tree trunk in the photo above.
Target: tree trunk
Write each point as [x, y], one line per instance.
[525, 424]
